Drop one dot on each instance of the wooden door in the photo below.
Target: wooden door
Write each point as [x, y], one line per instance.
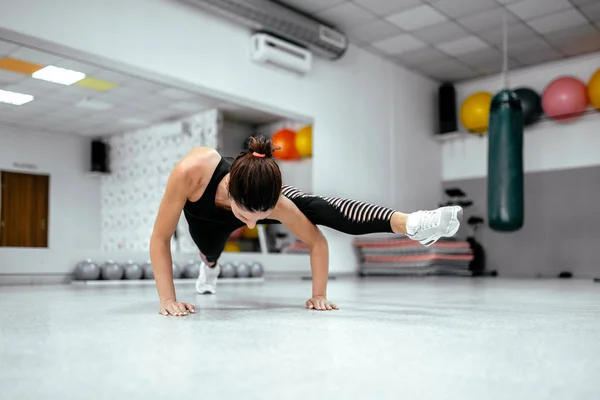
[24, 210]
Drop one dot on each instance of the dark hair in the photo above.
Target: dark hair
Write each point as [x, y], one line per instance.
[254, 178]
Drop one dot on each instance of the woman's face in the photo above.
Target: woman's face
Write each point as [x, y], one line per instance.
[250, 218]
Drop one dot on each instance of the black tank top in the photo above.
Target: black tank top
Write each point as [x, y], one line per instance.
[205, 208]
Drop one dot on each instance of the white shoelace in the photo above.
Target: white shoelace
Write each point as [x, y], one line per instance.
[429, 219]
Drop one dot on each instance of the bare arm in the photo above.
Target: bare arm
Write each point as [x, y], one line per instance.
[167, 218]
[288, 214]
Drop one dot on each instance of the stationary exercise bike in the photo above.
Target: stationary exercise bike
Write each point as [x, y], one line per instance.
[457, 198]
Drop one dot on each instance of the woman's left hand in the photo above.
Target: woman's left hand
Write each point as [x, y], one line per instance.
[320, 303]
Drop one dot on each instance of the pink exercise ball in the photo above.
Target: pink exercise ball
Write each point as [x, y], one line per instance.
[565, 98]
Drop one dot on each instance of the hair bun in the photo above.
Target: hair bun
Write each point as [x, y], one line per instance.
[260, 145]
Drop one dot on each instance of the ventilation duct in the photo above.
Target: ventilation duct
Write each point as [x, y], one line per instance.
[281, 21]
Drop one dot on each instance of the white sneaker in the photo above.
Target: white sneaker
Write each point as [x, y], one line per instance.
[207, 280]
[428, 227]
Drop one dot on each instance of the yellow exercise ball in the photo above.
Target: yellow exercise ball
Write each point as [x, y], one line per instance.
[248, 233]
[475, 112]
[594, 89]
[232, 247]
[304, 141]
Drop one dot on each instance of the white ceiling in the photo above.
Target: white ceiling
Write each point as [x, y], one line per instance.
[136, 102]
[455, 40]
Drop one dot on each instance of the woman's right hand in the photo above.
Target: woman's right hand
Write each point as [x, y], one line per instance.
[175, 308]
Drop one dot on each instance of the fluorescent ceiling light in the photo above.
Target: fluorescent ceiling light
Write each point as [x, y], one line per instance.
[58, 75]
[14, 98]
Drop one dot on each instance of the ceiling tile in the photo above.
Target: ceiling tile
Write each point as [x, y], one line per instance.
[386, 7]
[144, 86]
[449, 70]
[463, 46]
[346, 16]
[516, 33]
[312, 6]
[399, 44]
[422, 56]
[574, 34]
[583, 2]
[417, 18]
[558, 21]
[580, 46]
[441, 32]
[487, 20]
[592, 11]
[530, 9]
[176, 94]
[87, 69]
[374, 31]
[509, 1]
[9, 77]
[482, 57]
[35, 87]
[34, 56]
[527, 46]
[457, 9]
[496, 67]
[114, 77]
[539, 56]
[7, 48]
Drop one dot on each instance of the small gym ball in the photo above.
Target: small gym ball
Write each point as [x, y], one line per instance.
[304, 141]
[593, 88]
[111, 271]
[228, 270]
[191, 270]
[565, 98]
[148, 272]
[475, 112]
[242, 270]
[256, 270]
[132, 270]
[531, 102]
[232, 247]
[285, 140]
[87, 270]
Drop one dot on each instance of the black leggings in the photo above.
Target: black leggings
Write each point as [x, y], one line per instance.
[347, 216]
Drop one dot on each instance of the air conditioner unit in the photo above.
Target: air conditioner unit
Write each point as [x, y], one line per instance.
[267, 49]
[282, 21]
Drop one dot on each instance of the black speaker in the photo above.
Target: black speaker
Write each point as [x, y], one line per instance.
[448, 121]
[99, 156]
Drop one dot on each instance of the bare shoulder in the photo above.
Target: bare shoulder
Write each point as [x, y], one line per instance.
[285, 209]
[194, 170]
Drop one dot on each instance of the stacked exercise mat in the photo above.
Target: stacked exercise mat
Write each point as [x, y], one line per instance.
[399, 255]
[131, 272]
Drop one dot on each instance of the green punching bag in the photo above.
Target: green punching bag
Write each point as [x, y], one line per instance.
[505, 163]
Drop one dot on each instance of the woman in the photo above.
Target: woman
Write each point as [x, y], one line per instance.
[218, 196]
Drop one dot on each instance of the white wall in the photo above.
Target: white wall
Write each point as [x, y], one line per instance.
[548, 145]
[74, 208]
[359, 103]
[232, 136]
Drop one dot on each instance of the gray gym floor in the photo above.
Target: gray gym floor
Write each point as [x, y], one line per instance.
[434, 338]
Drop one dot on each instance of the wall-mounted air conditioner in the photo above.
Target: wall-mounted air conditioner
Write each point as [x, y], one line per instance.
[267, 49]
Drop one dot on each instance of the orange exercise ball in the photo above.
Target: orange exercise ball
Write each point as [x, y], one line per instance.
[285, 139]
[304, 141]
[593, 88]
